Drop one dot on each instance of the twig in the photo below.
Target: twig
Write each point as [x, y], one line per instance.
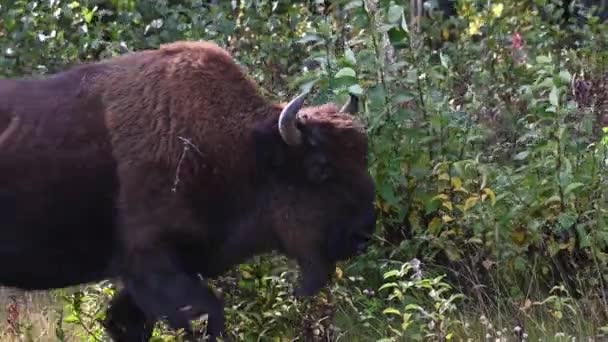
[187, 144]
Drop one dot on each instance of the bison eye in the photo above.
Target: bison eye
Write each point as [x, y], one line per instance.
[318, 168]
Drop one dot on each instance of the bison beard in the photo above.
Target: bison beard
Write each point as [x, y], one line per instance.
[161, 166]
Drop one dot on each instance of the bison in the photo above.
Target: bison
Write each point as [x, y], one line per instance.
[160, 166]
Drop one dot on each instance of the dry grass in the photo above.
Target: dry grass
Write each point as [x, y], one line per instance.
[28, 316]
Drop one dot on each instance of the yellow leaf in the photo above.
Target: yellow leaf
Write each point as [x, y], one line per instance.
[456, 183]
[461, 189]
[443, 176]
[470, 203]
[490, 194]
[447, 218]
[441, 196]
[557, 314]
[435, 225]
[553, 199]
[569, 246]
[497, 10]
[339, 272]
[445, 33]
[527, 305]
[448, 205]
[475, 240]
[519, 236]
[391, 311]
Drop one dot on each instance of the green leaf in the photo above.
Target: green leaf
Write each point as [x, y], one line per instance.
[566, 220]
[445, 60]
[88, 15]
[554, 96]
[565, 76]
[350, 56]
[388, 286]
[309, 37]
[404, 24]
[355, 89]
[377, 97]
[346, 72]
[583, 237]
[392, 311]
[520, 264]
[572, 186]
[552, 199]
[546, 83]
[543, 59]
[521, 155]
[397, 37]
[387, 193]
[403, 97]
[71, 319]
[394, 13]
[390, 274]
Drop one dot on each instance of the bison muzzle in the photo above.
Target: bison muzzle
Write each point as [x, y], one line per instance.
[160, 166]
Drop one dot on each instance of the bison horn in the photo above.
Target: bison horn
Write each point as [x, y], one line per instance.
[288, 120]
[352, 106]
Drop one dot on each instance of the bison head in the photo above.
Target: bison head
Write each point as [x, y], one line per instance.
[321, 201]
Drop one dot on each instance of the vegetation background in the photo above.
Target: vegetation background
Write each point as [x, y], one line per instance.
[488, 145]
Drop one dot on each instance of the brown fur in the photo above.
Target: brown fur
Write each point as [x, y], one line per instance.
[177, 96]
[177, 91]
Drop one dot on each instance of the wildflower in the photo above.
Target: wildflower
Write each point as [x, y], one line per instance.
[517, 48]
[475, 26]
[415, 263]
[497, 10]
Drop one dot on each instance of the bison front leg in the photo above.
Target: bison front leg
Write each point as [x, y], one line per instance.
[126, 322]
[154, 221]
[179, 298]
[316, 273]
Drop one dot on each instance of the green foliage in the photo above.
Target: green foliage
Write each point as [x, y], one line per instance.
[414, 320]
[487, 143]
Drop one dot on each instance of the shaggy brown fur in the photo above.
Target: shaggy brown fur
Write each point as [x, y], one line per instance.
[176, 92]
[178, 157]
